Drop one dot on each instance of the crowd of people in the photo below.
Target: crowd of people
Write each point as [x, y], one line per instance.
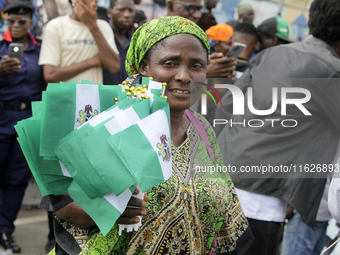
[192, 212]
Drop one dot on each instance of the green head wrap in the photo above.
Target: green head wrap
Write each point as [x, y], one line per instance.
[154, 31]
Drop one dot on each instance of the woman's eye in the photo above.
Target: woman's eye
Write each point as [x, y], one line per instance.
[197, 66]
[169, 64]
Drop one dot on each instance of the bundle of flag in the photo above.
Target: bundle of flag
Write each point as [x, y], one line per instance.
[98, 143]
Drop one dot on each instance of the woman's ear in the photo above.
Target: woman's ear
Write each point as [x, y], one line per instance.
[144, 67]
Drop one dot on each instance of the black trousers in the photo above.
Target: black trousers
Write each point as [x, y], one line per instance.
[14, 177]
[266, 237]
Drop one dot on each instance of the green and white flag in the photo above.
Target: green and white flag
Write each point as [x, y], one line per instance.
[103, 210]
[69, 153]
[97, 143]
[149, 140]
[46, 172]
[101, 156]
[67, 106]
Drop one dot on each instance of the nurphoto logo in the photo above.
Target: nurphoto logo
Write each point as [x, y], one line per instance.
[279, 98]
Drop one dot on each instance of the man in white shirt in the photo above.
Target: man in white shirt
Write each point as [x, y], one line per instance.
[77, 46]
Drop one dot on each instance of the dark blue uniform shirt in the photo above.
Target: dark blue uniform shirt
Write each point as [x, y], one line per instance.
[117, 78]
[25, 84]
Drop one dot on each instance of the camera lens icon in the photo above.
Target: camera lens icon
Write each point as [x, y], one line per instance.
[16, 49]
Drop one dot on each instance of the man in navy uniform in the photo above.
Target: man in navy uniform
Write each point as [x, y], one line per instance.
[21, 82]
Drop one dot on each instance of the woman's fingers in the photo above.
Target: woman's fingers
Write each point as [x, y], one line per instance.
[134, 208]
[137, 202]
[146, 198]
[125, 220]
[129, 216]
[136, 192]
[133, 212]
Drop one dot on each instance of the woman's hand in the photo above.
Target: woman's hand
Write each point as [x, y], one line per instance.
[134, 208]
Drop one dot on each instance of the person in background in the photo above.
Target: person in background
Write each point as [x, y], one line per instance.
[55, 8]
[138, 20]
[190, 9]
[232, 23]
[334, 195]
[273, 31]
[20, 84]
[207, 20]
[121, 14]
[313, 65]
[247, 34]
[77, 46]
[245, 12]
[219, 38]
[218, 67]
[102, 13]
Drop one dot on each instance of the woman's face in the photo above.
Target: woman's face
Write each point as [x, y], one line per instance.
[178, 60]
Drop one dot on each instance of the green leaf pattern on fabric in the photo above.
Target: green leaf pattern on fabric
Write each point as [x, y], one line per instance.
[112, 243]
[184, 213]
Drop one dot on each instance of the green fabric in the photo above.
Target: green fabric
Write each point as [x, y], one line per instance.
[52, 252]
[217, 212]
[112, 243]
[188, 211]
[156, 30]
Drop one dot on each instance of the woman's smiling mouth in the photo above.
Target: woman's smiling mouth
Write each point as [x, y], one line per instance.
[180, 91]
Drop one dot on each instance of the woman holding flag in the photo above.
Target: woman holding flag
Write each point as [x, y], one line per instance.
[193, 212]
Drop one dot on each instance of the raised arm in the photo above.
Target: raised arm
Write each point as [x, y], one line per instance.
[51, 9]
[109, 59]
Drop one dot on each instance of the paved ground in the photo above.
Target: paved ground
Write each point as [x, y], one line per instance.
[32, 228]
[31, 225]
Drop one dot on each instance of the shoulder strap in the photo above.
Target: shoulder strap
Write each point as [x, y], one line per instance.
[201, 131]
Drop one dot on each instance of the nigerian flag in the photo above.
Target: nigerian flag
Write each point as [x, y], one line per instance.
[103, 210]
[98, 143]
[145, 148]
[67, 106]
[101, 156]
[47, 173]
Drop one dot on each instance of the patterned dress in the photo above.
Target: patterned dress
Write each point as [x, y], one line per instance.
[187, 212]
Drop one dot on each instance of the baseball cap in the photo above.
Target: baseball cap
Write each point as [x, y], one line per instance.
[220, 32]
[20, 7]
[275, 26]
[139, 16]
